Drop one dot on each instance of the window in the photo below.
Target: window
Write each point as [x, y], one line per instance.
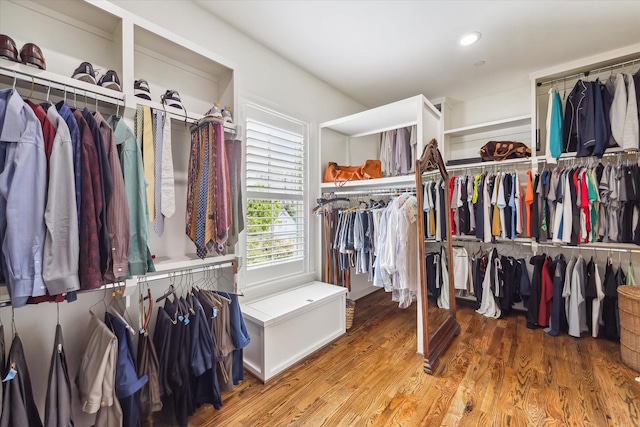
[275, 191]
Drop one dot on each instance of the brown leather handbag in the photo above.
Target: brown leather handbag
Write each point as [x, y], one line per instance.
[502, 150]
[370, 169]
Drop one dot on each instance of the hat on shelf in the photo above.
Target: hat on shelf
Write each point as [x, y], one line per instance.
[141, 89]
[110, 80]
[85, 73]
[8, 48]
[172, 99]
[214, 112]
[30, 54]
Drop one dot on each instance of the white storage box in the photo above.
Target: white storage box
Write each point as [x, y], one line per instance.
[288, 326]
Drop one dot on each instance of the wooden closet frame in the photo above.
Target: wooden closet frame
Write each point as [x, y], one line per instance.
[430, 160]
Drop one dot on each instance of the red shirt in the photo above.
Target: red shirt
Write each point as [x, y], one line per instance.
[546, 294]
[90, 208]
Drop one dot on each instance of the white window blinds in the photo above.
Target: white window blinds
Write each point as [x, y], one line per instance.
[275, 179]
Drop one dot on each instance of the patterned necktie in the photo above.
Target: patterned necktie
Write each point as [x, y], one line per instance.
[148, 158]
[158, 219]
[201, 248]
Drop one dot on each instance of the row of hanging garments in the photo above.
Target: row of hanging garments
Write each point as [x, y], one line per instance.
[71, 183]
[377, 240]
[588, 204]
[573, 296]
[17, 404]
[488, 206]
[194, 354]
[214, 199]
[397, 148]
[596, 116]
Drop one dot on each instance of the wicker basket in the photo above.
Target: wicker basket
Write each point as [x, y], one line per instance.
[351, 309]
[629, 306]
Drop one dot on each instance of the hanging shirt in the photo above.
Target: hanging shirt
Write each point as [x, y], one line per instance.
[554, 125]
[139, 256]
[92, 207]
[61, 247]
[528, 200]
[117, 207]
[23, 186]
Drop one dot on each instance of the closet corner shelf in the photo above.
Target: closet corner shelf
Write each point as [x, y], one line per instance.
[165, 264]
[8, 68]
[489, 126]
[179, 115]
[368, 184]
[396, 115]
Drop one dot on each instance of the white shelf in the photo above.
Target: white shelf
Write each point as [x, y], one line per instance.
[78, 87]
[490, 126]
[165, 264]
[387, 117]
[390, 183]
[476, 165]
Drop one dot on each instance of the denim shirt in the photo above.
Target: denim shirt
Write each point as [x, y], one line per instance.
[23, 185]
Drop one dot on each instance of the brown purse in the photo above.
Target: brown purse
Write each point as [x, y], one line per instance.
[370, 169]
[502, 150]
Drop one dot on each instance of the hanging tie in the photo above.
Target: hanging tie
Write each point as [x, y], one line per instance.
[158, 218]
[168, 205]
[148, 158]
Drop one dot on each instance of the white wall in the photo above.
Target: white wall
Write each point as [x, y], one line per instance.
[511, 103]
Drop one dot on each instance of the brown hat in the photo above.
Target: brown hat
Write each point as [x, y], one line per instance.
[32, 55]
[8, 48]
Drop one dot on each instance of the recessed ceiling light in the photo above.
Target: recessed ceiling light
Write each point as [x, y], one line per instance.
[470, 38]
[479, 63]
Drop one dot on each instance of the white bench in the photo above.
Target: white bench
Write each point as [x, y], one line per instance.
[288, 326]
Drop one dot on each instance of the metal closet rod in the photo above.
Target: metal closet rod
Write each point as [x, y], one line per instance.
[183, 272]
[590, 248]
[110, 285]
[377, 192]
[41, 81]
[587, 72]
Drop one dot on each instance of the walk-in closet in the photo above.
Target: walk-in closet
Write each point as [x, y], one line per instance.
[222, 213]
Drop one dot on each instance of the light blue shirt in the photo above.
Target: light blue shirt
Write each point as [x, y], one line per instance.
[23, 186]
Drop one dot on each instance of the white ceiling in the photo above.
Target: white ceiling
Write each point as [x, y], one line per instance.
[382, 51]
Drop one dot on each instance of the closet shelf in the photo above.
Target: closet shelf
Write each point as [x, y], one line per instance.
[390, 183]
[490, 126]
[480, 165]
[73, 86]
[166, 264]
[179, 115]
[396, 115]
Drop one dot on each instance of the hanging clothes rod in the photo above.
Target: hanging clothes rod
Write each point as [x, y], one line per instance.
[587, 72]
[69, 89]
[586, 247]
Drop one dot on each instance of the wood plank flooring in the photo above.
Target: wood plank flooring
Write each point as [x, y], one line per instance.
[496, 373]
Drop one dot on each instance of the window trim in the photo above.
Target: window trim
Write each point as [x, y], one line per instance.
[254, 277]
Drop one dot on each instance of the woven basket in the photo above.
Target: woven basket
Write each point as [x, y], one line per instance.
[629, 306]
[351, 310]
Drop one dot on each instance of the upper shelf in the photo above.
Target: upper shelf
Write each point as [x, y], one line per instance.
[71, 85]
[490, 126]
[391, 116]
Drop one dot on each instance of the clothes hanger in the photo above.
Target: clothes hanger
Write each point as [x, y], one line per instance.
[98, 302]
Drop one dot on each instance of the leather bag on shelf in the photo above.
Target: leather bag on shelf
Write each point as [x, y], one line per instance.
[494, 151]
[370, 169]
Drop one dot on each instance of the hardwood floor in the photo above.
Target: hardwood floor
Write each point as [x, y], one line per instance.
[496, 373]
